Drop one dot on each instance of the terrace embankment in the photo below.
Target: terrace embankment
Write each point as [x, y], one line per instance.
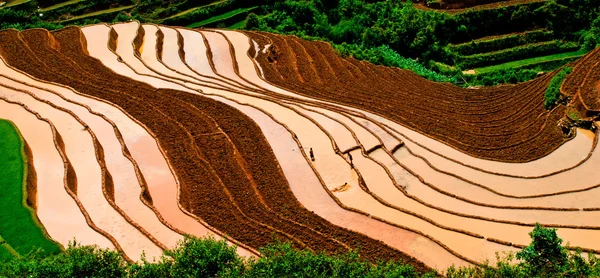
[304, 187]
[583, 137]
[52, 198]
[583, 88]
[150, 61]
[127, 188]
[331, 170]
[507, 123]
[87, 76]
[82, 148]
[65, 71]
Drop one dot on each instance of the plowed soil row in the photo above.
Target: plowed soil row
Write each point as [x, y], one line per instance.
[148, 47]
[199, 195]
[190, 171]
[506, 123]
[583, 84]
[266, 178]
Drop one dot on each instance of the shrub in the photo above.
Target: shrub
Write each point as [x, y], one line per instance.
[553, 91]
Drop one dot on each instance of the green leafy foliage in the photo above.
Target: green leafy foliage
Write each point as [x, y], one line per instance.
[553, 91]
[194, 257]
[543, 257]
[281, 260]
[503, 76]
[22, 20]
[384, 55]
[81, 261]
[424, 36]
[591, 37]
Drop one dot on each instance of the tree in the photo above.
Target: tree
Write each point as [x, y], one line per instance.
[252, 22]
[545, 255]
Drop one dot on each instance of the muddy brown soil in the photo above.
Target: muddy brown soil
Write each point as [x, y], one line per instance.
[506, 123]
[224, 163]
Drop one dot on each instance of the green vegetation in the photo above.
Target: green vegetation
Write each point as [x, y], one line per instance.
[195, 257]
[502, 76]
[496, 43]
[60, 5]
[220, 18]
[98, 13]
[6, 251]
[519, 52]
[19, 226]
[553, 91]
[195, 8]
[460, 41]
[16, 3]
[238, 25]
[544, 257]
[566, 57]
[384, 55]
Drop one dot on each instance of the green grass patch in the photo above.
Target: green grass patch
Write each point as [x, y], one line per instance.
[495, 43]
[238, 25]
[16, 2]
[221, 17]
[60, 5]
[18, 223]
[102, 12]
[516, 53]
[553, 91]
[531, 61]
[194, 8]
[6, 252]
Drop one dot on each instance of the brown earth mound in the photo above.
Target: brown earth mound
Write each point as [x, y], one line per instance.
[228, 172]
[506, 123]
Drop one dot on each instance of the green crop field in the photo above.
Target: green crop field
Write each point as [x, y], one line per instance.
[195, 8]
[113, 10]
[16, 2]
[531, 61]
[60, 5]
[18, 224]
[221, 17]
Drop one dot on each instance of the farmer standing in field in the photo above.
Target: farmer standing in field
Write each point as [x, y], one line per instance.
[312, 155]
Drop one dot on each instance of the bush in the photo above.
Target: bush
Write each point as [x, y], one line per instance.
[384, 55]
[193, 257]
[544, 257]
[506, 76]
[553, 91]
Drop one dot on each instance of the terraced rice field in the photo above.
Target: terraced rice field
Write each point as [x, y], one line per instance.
[147, 132]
